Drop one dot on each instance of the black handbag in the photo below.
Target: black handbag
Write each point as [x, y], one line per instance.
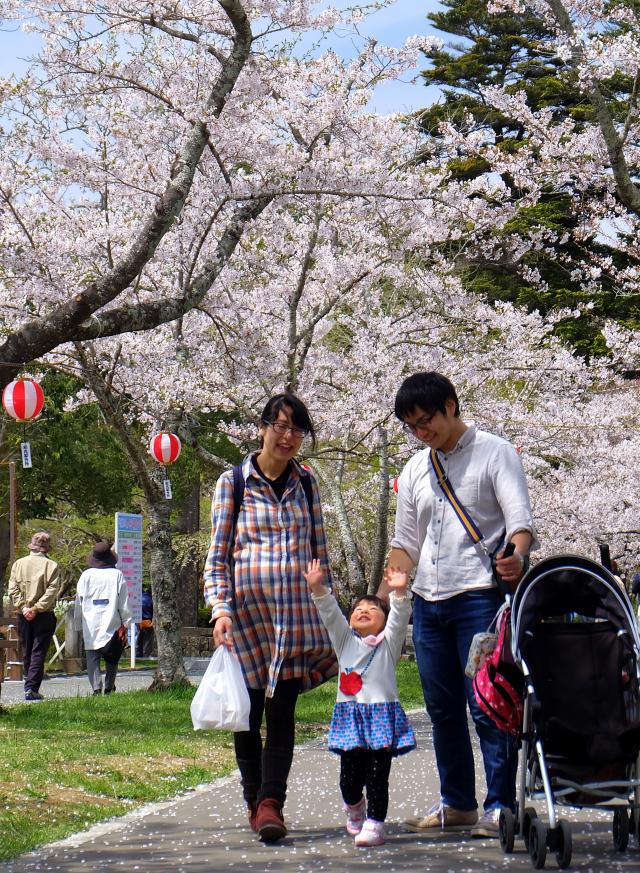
[112, 651]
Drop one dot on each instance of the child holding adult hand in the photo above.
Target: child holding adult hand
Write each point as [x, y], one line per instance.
[368, 726]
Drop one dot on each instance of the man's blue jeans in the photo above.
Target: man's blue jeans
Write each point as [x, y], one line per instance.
[442, 634]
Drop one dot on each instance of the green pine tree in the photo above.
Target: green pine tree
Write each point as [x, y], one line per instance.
[514, 52]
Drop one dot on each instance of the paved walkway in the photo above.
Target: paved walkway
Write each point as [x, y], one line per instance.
[205, 831]
[74, 686]
[64, 685]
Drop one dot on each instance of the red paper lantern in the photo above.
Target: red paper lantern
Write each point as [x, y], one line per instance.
[23, 399]
[165, 447]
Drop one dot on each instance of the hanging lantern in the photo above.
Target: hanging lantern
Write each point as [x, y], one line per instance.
[23, 399]
[165, 448]
[393, 483]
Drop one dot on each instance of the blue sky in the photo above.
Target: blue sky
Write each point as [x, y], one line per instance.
[390, 26]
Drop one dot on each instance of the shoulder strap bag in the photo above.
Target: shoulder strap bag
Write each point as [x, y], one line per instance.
[466, 521]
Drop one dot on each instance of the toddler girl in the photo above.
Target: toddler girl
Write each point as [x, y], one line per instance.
[368, 726]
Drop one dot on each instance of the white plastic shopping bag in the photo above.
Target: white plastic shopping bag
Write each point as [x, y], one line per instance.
[222, 699]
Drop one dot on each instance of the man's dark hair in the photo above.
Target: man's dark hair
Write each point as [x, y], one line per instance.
[299, 413]
[371, 598]
[428, 391]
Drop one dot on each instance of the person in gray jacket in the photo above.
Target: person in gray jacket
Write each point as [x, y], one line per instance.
[102, 610]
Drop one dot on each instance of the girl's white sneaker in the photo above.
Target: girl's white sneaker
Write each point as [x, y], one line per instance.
[356, 814]
[372, 833]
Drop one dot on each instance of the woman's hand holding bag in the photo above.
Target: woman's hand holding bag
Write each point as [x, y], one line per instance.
[222, 699]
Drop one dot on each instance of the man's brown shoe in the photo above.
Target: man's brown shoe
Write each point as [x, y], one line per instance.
[443, 818]
[269, 822]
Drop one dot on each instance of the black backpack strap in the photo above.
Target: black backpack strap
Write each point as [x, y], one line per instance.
[238, 495]
[308, 493]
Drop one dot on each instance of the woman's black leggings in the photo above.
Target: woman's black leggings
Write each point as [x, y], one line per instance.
[370, 768]
[265, 771]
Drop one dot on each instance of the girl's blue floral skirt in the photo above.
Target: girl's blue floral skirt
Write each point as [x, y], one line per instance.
[370, 726]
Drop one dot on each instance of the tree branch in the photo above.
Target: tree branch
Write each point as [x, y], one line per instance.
[39, 336]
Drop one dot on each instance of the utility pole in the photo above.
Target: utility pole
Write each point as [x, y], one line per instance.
[13, 515]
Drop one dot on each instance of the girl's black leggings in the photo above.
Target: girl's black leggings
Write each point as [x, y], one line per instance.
[366, 768]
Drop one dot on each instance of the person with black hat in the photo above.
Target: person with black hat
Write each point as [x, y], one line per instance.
[102, 609]
[33, 589]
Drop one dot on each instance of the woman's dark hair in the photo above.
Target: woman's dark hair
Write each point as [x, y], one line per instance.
[428, 391]
[299, 413]
[371, 598]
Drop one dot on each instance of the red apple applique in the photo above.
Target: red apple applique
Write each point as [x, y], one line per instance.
[350, 682]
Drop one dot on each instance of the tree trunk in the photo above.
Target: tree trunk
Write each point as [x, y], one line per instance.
[5, 515]
[166, 612]
[164, 589]
[187, 564]
[356, 584]
[381, 539]
[5, 536]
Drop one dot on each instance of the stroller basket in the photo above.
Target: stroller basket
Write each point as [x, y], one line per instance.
[586, 708]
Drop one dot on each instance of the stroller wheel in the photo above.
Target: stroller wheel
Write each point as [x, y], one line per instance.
[538, 843]
[529, 815]
[506, 829]
[620, 830]
[563, 844]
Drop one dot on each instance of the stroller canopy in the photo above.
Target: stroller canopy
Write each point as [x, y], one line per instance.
[569, 584]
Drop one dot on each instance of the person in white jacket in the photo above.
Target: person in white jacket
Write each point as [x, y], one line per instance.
[102, 609]
[368, 726]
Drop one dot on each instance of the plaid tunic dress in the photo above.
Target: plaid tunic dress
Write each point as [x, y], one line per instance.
[276, 628]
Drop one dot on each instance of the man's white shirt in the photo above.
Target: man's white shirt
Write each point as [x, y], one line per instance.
[488, 478]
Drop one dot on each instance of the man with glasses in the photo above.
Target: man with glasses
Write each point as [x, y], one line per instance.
[455, 592]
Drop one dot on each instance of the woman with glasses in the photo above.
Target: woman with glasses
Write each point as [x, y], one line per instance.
[261, 606]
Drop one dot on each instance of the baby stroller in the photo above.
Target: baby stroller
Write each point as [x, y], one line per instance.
[574, 635]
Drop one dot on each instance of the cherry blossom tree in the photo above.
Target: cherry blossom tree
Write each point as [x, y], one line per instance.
[171, 170]
[142, 144]
[515, 377]
[151, 133]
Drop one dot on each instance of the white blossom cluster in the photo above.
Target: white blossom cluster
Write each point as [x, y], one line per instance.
[337, 288]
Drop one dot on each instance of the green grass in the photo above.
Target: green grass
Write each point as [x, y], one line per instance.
[69, 762]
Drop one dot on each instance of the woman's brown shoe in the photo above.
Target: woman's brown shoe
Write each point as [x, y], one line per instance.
[252, 811]
[270, 825]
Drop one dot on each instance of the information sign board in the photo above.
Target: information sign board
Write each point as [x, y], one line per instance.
[128, 546]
